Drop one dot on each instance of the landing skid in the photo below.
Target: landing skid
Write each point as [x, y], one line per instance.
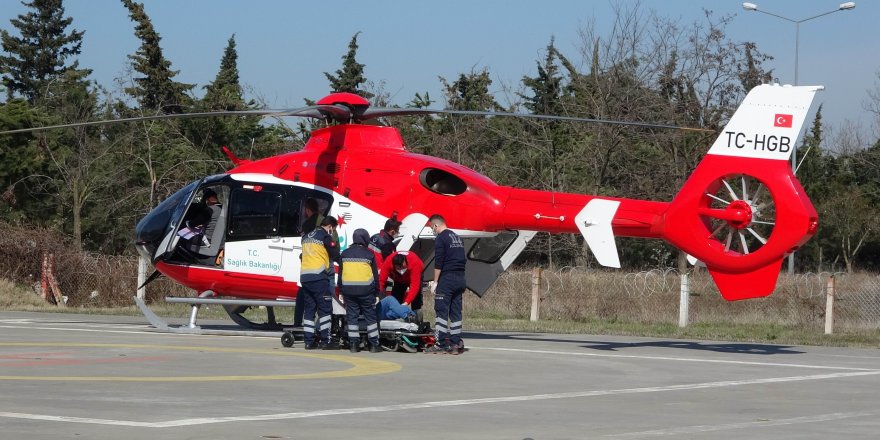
[163, 326]
[236, 313]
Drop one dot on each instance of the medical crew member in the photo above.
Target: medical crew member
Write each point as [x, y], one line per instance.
[383, 242]
[319, 251]
[448, 287]
[358, 277]
[405, 269]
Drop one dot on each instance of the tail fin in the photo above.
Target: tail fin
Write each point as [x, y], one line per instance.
[742, 211]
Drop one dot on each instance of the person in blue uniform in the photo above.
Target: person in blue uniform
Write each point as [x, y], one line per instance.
[319, 251]
[448, 287]
[358, 281]
[383, 242]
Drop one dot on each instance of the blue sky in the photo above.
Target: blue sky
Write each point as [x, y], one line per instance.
[285, 46]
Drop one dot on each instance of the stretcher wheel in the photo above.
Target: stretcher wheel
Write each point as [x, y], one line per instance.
[389, 344]
[287, 339]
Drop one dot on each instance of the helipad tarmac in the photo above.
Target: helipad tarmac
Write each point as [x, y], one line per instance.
[97, 377]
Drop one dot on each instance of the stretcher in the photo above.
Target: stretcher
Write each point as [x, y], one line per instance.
[394, 335]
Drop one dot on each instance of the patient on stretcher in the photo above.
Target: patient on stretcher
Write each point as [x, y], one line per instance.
[390, 309]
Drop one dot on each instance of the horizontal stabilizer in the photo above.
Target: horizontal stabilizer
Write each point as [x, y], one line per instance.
[594, 223]
[745, 285]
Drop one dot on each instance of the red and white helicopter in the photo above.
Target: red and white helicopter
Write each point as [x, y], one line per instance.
[740, 212]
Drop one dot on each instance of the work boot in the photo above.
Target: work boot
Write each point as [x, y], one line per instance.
[328, 346]
[435, 349]
[312, 346]
[375, 348]
[456, 349]
[354, 347]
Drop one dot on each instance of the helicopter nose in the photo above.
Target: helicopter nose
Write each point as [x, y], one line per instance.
[148, 234]
[157, 226]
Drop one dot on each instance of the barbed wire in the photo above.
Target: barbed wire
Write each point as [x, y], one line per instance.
[571, 292]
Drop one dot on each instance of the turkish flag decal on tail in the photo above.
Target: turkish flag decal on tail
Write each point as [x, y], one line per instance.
[782, 121]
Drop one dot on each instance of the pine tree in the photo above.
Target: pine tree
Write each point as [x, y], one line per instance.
[225, 93]
[546, 87]
[470, 92]
[351, 76]
[812, 171]
[39, 56]
[155, 90]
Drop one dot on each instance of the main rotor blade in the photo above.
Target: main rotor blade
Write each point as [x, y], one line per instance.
[372, 113]
[309, 112]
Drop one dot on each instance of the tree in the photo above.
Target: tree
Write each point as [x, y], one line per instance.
[546, 86]
[470, 92]
[224, 93]
[751, 73]
[852, 221]
[351, 76]
[155, 90]
[21, 160]
[816, 174]
[40, 55]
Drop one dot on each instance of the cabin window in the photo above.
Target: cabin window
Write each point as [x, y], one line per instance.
[254, 213]
[490, 249]
[442, 182]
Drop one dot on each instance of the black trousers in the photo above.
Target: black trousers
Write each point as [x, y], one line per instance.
[447, 306]
[355, 306]
[316, 299]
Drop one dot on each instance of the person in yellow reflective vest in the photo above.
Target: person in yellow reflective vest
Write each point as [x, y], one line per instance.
[319, 251]
[358, 281]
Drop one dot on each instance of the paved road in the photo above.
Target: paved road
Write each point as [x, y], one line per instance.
[96, 377]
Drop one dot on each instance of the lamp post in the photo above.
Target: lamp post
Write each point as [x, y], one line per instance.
[797, 26]
[797, 44]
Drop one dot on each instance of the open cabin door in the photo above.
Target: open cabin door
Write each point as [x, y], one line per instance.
[487, 256]
[264, 229]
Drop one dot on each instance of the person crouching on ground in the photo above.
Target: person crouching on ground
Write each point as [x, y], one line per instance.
[358, 281]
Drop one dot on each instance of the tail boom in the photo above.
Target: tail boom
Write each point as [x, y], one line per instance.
[741, 211]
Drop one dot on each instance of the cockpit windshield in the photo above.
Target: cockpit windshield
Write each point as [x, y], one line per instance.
[153, 228]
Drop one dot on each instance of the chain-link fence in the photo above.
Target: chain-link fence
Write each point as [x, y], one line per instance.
[653, 297]
[84, 278]
[570, 293]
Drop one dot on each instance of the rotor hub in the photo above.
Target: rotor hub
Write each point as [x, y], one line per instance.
[345, 98]
[739, 214]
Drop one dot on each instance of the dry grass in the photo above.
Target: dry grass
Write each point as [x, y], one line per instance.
[17, 297]
[481, 315]
[573, 300]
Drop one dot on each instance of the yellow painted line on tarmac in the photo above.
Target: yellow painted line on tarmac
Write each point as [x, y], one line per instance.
[360, 366]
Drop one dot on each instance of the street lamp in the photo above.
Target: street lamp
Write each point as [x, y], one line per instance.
[797, 26]
[797, 43]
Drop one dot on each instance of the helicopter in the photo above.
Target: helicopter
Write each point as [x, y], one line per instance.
[740, 212]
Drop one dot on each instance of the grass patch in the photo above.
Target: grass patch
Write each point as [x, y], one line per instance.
[18, 297]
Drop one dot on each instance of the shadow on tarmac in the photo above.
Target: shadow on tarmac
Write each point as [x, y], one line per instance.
[744, 348]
